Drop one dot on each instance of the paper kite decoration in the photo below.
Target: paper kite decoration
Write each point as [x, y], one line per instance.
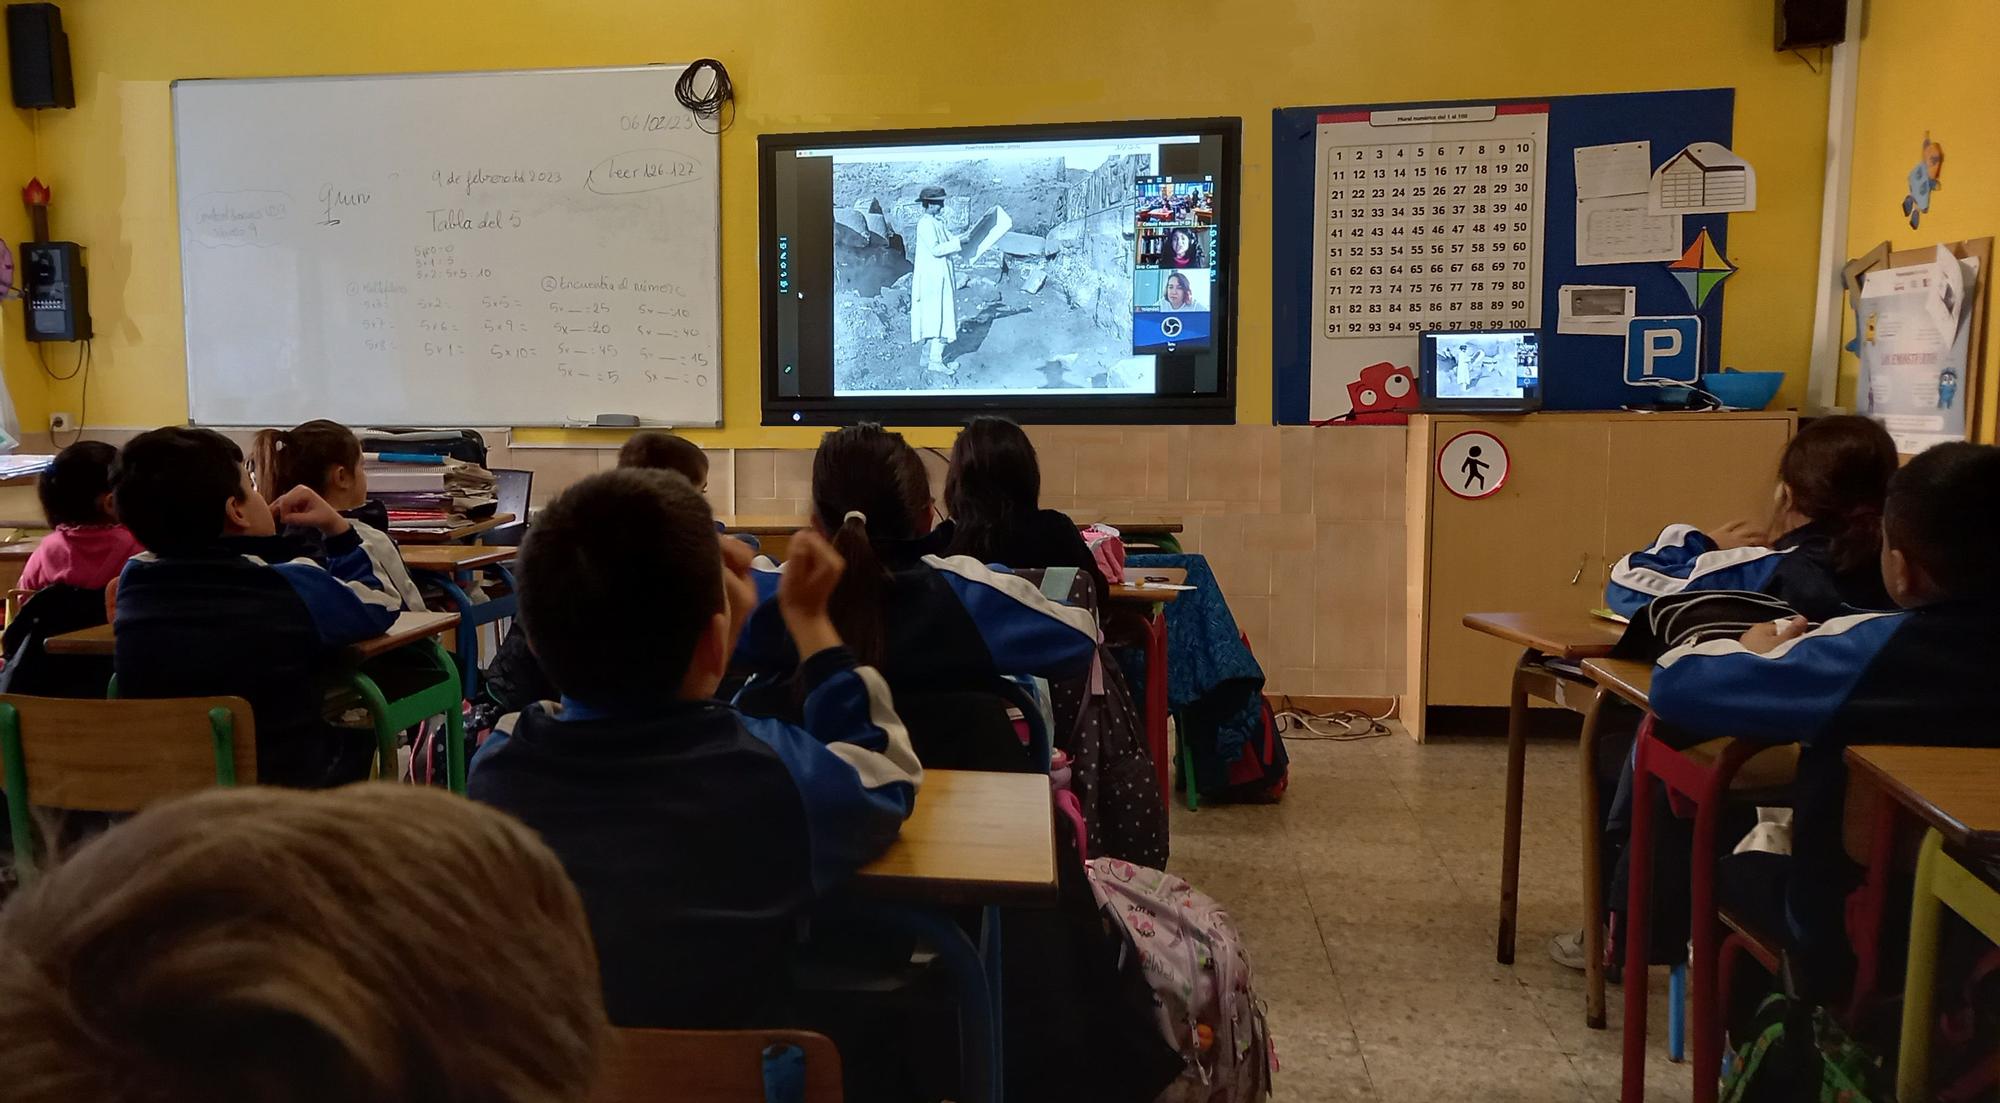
[1701, 269]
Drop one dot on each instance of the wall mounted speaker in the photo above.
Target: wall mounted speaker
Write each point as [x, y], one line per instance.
[38, 53]
[1805, 24]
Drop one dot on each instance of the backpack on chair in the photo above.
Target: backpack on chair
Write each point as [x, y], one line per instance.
[1200, 972]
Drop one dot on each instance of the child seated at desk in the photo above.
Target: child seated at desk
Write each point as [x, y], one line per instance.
[514, 680]
[88, 547]
[994, 490]
[931, 623]
[1922, 675]
[664, 451]
[1817, 552]
[203, 613]
[326, 456]
[696, 834]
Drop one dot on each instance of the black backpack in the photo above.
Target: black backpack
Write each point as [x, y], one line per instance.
[51, 612]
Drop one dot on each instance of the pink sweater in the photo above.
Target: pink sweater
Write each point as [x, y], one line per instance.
[86, 556]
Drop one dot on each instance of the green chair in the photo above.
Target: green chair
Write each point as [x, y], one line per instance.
[117, 755]
[442, 697]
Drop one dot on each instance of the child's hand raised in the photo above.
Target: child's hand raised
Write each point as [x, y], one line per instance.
[812, 570]
[300, 506]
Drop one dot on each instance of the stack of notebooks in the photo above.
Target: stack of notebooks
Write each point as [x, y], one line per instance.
[21, 466]
[429, 492]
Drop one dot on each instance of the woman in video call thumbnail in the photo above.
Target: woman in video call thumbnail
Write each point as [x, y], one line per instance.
[1178, 295]
[1183, 250]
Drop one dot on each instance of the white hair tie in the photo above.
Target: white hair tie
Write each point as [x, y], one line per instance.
[855, 515]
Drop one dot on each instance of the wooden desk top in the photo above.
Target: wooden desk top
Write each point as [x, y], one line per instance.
[1954, 789]
[1569, 636]
[446, 558]
[975, 838]
[1631, 679]
[408, 629]
[763, 524]
[1143, 525]
[83, 641]
[450, 536]
[1132, 590]
[20, 549]
[773, 524]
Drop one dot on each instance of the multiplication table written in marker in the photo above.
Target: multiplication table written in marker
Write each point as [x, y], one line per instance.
[1430, 235]
[1424, 218]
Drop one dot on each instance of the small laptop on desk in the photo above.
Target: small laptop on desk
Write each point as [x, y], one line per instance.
[1480, 371]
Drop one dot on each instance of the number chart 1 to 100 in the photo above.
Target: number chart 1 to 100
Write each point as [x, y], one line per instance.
[1430, 235]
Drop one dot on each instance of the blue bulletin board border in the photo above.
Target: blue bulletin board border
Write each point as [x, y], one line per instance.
[1579, 372]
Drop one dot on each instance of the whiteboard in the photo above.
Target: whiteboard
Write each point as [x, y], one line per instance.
[505, 248]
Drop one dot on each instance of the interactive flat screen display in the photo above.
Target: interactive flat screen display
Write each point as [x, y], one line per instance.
[1058, 273]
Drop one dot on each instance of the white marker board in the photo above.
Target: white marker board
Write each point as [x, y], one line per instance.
[508, 248]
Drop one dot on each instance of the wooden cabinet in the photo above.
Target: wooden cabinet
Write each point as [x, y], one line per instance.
[1582, 489]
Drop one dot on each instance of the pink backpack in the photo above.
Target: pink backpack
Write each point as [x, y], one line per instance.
[1200, 974]
[1108, 548]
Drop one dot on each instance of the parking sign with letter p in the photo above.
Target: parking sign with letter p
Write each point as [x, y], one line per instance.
[1662, 351]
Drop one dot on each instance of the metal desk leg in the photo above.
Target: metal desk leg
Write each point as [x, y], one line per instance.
[1158, 705]
[1510, 848]
[1638, 926]
[1593, 863]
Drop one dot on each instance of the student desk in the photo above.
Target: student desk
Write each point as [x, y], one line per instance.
[390, 716]
[409, 628]
[13, 561]
[1546, 640]
[1955, 791]
[1149, 605]
[1138, 532]
[974, 838]
[450, 535]
[451, 567]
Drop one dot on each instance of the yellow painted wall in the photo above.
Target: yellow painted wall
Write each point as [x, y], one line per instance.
[844, 64]
[1928, 66]
[17, 362]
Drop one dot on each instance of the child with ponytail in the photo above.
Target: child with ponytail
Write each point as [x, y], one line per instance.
[325, 456]
[929, 623]
[1818, 552]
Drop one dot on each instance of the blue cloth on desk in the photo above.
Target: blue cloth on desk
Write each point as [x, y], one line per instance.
[1214, 683]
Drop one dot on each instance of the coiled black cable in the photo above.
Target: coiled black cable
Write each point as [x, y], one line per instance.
[709, 103]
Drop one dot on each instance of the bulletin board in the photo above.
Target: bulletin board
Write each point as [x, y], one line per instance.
[1527, 147]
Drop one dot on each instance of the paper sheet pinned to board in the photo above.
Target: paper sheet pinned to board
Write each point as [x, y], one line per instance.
[1948, 299]
[1618, 229]
[1595, 309]
[1624, 168]
[1704, 178]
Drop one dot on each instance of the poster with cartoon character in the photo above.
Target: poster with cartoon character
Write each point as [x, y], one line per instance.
[1914, 336]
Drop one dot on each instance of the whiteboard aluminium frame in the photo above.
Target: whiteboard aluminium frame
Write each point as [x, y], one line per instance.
[180, 251]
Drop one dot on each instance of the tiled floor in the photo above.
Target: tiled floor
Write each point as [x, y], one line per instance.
[1368, 899]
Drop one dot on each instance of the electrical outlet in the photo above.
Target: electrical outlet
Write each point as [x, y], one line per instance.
[60, 422]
